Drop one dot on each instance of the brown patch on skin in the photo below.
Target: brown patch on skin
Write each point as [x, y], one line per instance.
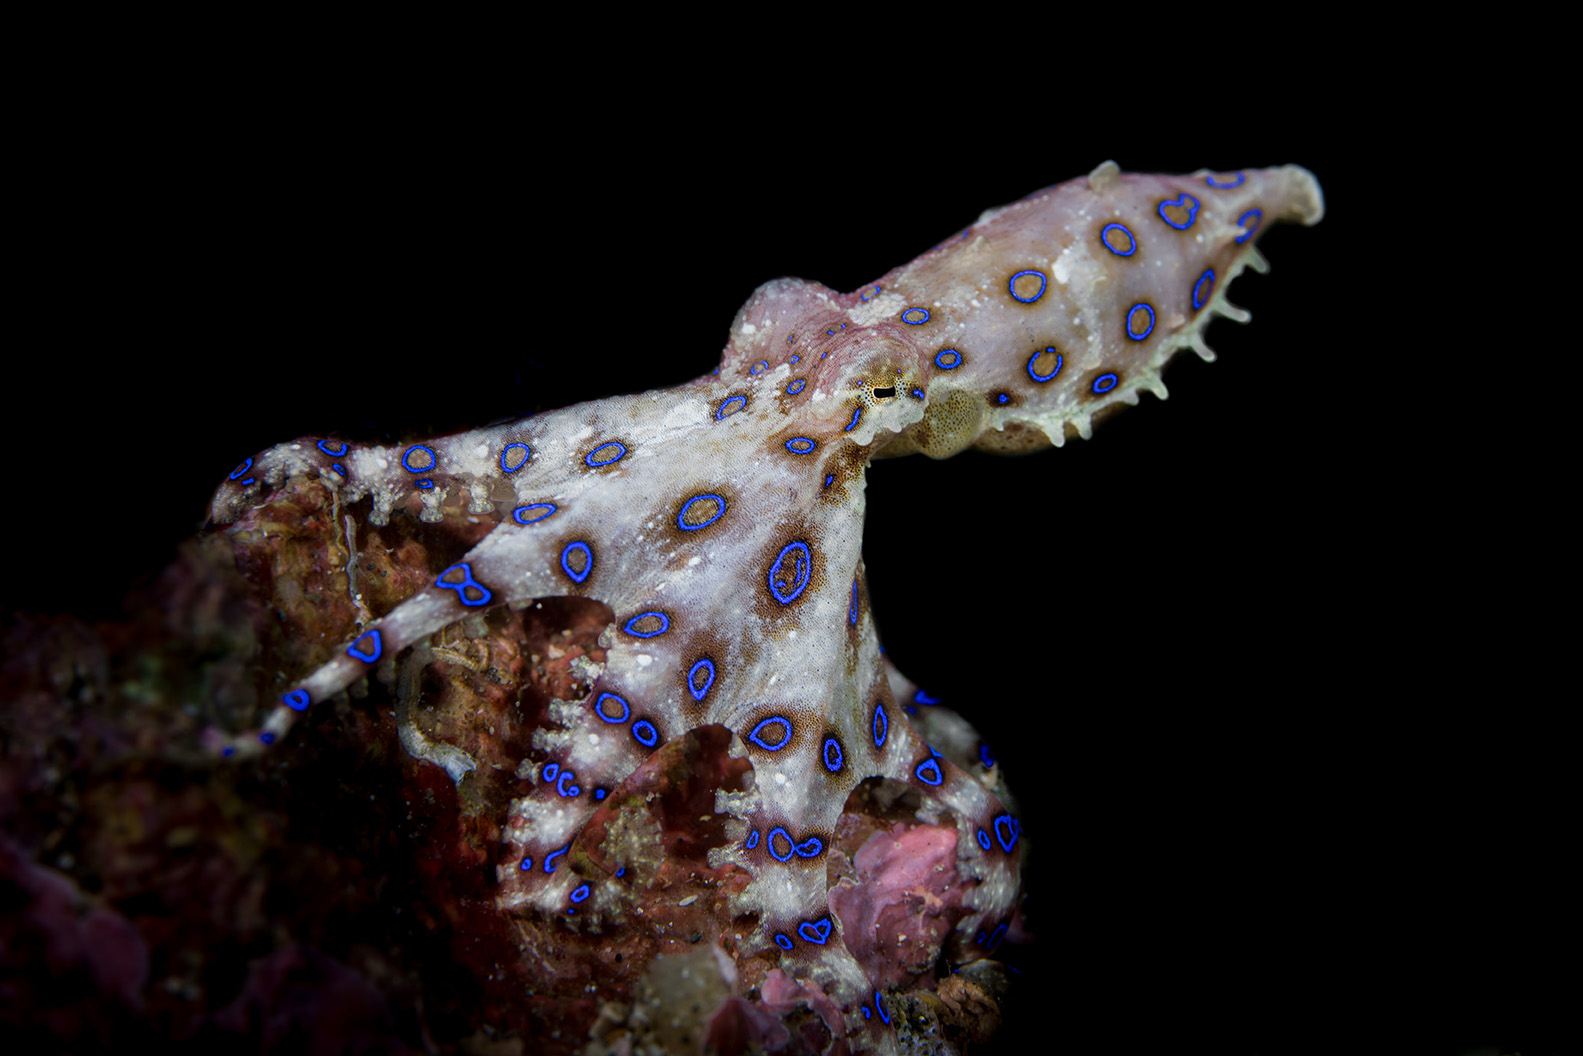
[878, 696]
[1015, 438]
[949, 425]
[854, 627]
[846, 465]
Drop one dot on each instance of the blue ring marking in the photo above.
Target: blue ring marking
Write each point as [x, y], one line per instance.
[550, 771]
[760, 367]
[851, 609]
[644, 733]
[986, 757]
[727, 407]
[795, 387]
[1238, 181]
[626, 710]
[983, 839]
[853, 423]
[267, 737]
[595, 463]
[956, 360]
[802, 569]
[228, 751]
[994, 940]
[795, 357]
[864, 297]
[560, 785]
[753, 839]
[1132, 240]
[580, 894]
[296, 700]
[530, 514]
[782, 941]
[769, 844]
[925, 699]
[600, 794]
[1008, 838]
[1242, 221]
[434, 459]
[979, 939]
[809, 848]
[829, 479]
[798, 440]
[376, 646]
[1183, 199]
[588, 565]
[326, 450]
[867, 1012]
[621, 872]
[424, 484]
[1002, 398]
[932, 765]
[1104, 383]
[917, 393]
[1012, 286]
[815, 931]
[1200, 295]
[881, 725]
[692, 673]
[339, 468]
[883, 1015]
[461, 588]
[907, 316]
[239, 470]
[830, 743]
[527, 863]
[527, 454]
[784, 741]
[550, 858]
[631, 625]
[1142, 306]
[681, 518]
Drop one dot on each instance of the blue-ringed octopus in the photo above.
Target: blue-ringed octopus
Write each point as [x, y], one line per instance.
[721, 521]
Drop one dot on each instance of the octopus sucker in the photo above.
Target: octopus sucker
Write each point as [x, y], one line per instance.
[721, 521]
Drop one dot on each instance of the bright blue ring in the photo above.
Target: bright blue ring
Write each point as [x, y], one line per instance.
[525, 458]
[339, 468]
[665, 625]
[239, 470]
[795, 387]
[868, 1013]
[707, 664]
[933, 764]
[1238, 182]
[1104, 383]
[865, 296]
[883, 1015]
[434, 460]
[811, 932]
[927, 700]
[983, 839]
[626, 711]
[527, 863]
[327, 451]
[621, 452]
[994, 940]
[760, 367]
[784, 741]
[753, 839]
[547, 507]
[1141, 305]
[805, 851]
[915, 322]
[600, 793]
[1013, 826]
[1132, 240]
[1183, 199]
[851, 609]
[296, 700]
[800, 440]
[1012, 286]
[794, 358]
[782, 941]
[681, 518]
[881, 725]
[560, 784]
[550, 771]
[461, 588]
[840, 757]
[1198, 300]
[379, 647]
[587, 568]
[1242, 221]
[549, 858]
[853, 423]
[424, 484]
[801, 582]
[740, 401]
[646, 727]
[948, 366]
[769, 844]
[580, 894]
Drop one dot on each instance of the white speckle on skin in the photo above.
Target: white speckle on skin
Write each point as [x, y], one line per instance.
[644, 659]
[780, 779]
[693, 561]
[593, 739]
[481, 451]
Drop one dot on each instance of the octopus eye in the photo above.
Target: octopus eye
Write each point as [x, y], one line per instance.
[884, 393]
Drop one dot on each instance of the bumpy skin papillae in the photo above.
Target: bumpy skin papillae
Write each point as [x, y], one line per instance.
[722, 520]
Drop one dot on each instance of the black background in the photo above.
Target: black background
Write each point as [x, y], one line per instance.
[1246, 655]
